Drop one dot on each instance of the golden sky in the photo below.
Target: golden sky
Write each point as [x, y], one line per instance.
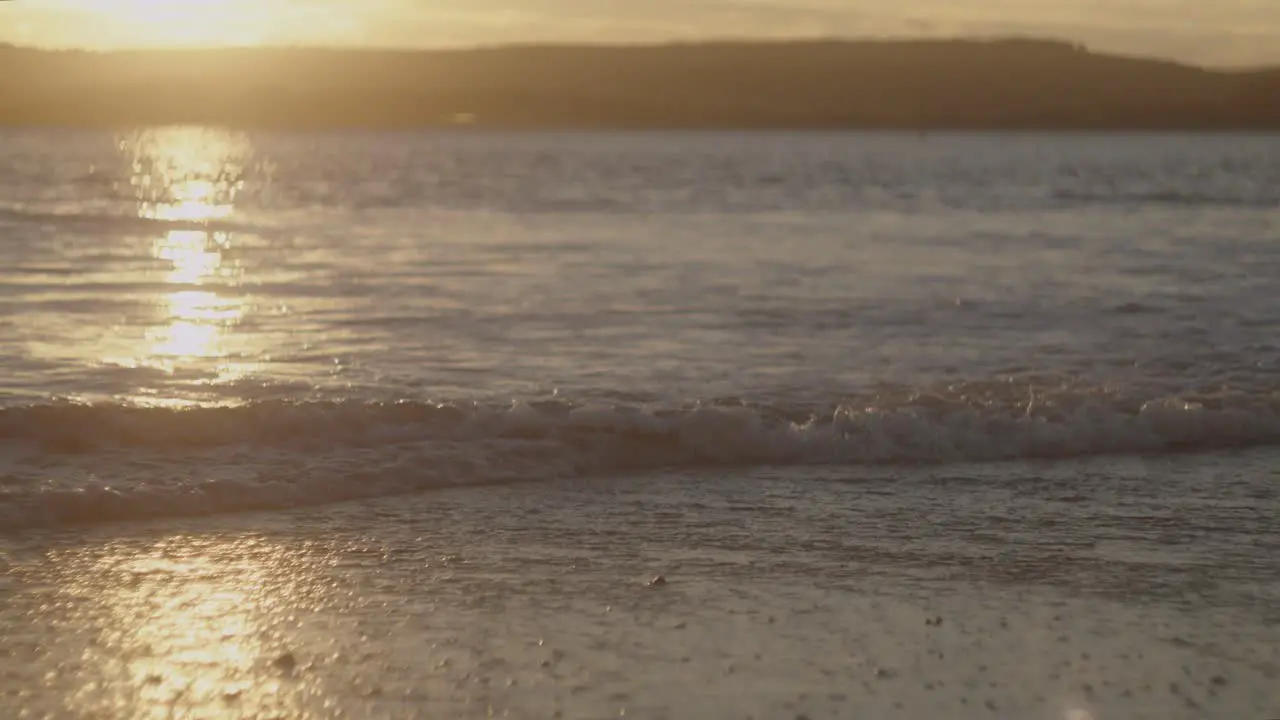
[1205, 31]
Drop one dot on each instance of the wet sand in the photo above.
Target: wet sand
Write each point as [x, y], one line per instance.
[787, 596]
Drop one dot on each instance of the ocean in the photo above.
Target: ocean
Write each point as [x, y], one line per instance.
[360, 424]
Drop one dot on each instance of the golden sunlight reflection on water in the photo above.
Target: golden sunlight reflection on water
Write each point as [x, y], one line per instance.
[191, 627]
[191, 177]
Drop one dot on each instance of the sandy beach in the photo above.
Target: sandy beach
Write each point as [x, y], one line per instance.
[787, 595]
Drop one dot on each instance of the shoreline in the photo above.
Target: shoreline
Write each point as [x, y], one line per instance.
[534, 602]
[908, 85]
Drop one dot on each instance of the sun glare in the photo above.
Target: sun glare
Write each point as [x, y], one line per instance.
[188, 178]
[188, 626]
[191, 23]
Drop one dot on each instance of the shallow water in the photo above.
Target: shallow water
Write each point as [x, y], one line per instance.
[451, 399]
[531, 306]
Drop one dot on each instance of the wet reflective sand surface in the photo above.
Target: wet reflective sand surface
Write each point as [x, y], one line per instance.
[817, 594]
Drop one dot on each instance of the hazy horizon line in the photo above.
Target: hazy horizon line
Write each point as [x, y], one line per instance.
[711, 40]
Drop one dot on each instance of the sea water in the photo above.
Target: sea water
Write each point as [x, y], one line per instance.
[402, 424]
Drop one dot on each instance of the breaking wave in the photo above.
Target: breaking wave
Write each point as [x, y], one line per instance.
[62, 464]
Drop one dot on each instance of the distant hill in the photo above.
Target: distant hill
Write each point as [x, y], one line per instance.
[960, 84]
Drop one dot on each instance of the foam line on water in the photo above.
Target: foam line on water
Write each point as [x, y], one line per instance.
[72, 463]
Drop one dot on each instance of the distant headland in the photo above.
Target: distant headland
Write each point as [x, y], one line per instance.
[1003, 84]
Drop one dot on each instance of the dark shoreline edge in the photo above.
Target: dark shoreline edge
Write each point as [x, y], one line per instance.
[909, 85]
